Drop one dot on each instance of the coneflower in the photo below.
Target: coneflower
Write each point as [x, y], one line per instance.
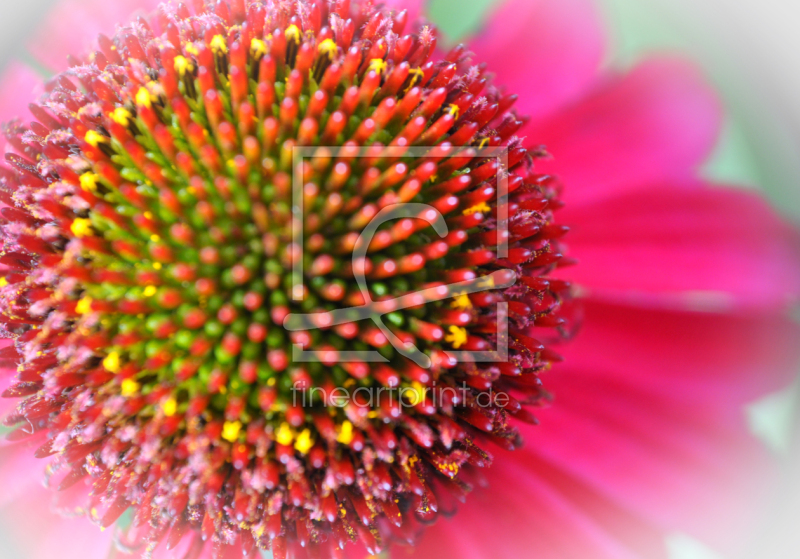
[148, 268]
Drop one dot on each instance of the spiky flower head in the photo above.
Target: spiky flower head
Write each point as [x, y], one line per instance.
[156, 240]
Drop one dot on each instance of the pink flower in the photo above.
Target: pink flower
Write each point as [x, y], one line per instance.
[685, 290]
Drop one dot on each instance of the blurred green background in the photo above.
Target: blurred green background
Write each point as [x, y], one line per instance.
[754, 149]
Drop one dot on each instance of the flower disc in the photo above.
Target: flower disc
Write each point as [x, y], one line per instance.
[183, 221]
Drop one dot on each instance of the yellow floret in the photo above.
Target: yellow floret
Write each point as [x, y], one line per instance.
[230, 430]
[111, 362]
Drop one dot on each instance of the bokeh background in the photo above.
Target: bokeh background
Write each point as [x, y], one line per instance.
[751, 52]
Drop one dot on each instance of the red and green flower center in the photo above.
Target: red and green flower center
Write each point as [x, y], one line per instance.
[150, 260]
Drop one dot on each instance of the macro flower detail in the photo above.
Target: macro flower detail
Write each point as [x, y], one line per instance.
[149, 254]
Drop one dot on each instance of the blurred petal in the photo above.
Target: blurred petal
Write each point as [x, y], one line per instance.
[416, 9]
[39, 533]
[72, 26]
[659, 121]
[647, 436]
[546, 51]
[19, 85]
[700, 248]
[18, 463]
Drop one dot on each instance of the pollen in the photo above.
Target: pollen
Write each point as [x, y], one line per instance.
[462, 301]
[89, 182]
[304, 441]
[218, 44]
[182, 65]
[258, 48]
[415, 75]
[84, 305]
[94, 138]
[416, 393]
[327, 48]
[129, 387]
[121, 116]
[150, 290]
[284, 435]
[111, 362]
[169, 407]
[293, 34]
[345, 435]
[457, 336]
[230, 430]
[144, 98]
[482, 208]
[377, 65]
[81, 227]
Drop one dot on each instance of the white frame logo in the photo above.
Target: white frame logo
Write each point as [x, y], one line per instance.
[375, 310]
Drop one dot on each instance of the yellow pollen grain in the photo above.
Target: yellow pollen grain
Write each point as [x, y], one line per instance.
[293, 34]
[327, 48]
[3, 282]
[148, 215]
[81, 227]
[111, 362]
[192, 49]
[143, 98]
[377, 65]
[150, 290]
[169, 407]
[304, 442]
[218, 44]
[230, 430]
[482, 207]
[129, 387]
[121, 115]
[284, 435]
[258, 48]
[345, 435]
[453, 110]
[457, 336]
[157, 265]
[94, 138]
[182, 65]
[84, 306]
[417, 393]
[461, 302]
[89, 182]
[416, 75]
[155, 238]
[271, 381]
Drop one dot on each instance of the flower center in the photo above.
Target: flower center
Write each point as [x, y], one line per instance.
[275, 275]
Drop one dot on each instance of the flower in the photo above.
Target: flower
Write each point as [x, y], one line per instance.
[646, 411]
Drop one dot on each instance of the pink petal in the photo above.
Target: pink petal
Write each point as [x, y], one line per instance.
[19, 86]
[39, 533]
[546, 51]
[416, 9]
[72, 26]
[646, 436]
[659, 121]
[698, 247]
[17, 463]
